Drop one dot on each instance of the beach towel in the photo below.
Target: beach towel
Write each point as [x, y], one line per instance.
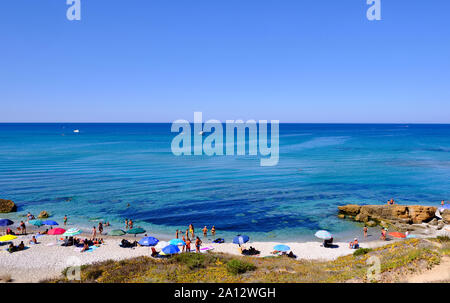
[206, 248]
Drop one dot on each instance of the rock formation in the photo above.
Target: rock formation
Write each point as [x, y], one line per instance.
[7, 206]
[412, 214]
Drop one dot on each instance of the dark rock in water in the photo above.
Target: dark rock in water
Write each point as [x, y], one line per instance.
[43, 215]
[7, 206]
[414, 214]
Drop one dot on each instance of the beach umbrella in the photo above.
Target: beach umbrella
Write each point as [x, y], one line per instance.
[170, 249]
[56, 231]
[241, 239]
[7, 238]
[281, 247]
[5, 222]
[397, 235]
[116, 232]
[323, 234]
[49, 222]
[37, 223]
[135, 231]
[148, 241]
[161, 244]
[72, 232]
[177, 242]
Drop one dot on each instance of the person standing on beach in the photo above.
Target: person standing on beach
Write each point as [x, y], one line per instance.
[100, 227]
[442, 203]
[198, 243]
[205, 231]
[65, 220]
[23, 227]
[213, 231]
[188, 245]
[126, 224]
[184, 240]
[94, 232]
[191, 229]
[187, 233]
[365, 231]
[176, 234]
[130, 224]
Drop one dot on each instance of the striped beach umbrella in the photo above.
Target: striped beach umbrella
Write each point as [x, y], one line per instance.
[72, 232]
[323, 234]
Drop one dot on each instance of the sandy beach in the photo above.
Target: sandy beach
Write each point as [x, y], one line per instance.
[47, 260]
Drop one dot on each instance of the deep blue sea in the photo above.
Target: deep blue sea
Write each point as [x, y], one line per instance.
[94, 174]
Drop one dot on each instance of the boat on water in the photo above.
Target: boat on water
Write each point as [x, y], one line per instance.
[76, 130]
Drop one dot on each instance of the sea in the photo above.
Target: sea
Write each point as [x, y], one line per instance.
[110, 172]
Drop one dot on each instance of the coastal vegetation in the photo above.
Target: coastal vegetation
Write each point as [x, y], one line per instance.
[397, 260]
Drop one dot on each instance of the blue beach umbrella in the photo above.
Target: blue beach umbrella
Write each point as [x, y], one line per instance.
[170, 249]
[5, 222]
[35, 222]
[241, 239]
[49, 222]
[177, 242]
[323, 234]
[281, 247]
[148, 241]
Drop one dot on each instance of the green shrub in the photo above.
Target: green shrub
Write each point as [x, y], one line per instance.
[361, 251]
[239, 267]
[193, 260]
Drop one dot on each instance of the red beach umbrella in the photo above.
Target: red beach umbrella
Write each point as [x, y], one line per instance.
[56, 231]
[397, 235]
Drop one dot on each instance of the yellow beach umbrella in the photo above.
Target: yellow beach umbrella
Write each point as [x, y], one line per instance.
[7, 238]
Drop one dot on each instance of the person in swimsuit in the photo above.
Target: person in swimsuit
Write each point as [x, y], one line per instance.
[126, 223]
[184, 240]
[23, 227]
[100, 227]
[213, 230]
[205, 231]
[130, 224]
[365, 231]
[94, 232]
[176, 234]
[188, 245]
[65, 220]
[198, 243]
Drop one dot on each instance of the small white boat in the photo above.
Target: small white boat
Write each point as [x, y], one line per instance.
[76, 131]
[201, 133]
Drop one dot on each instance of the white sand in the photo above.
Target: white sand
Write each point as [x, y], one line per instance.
[41, 261]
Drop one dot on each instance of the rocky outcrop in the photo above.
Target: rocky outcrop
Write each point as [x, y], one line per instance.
[43, 215]
[7, 206]
[413, 214]
[446, 216]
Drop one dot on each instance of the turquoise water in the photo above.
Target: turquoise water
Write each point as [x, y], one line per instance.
[94, 174]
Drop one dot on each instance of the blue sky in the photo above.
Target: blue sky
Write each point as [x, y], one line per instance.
[161, 60]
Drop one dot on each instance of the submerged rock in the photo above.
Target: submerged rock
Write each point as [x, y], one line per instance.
[414, 214]
[7, 206]
[43, 215]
